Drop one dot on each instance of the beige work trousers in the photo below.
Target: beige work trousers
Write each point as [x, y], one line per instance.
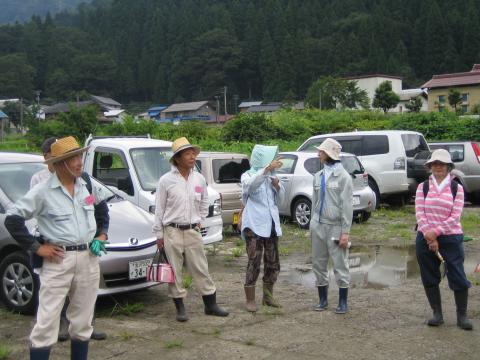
[78, 277]
[187, 245]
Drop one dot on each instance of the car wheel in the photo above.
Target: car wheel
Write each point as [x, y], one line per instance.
[374, 188]
[18, 285]
[302, 210]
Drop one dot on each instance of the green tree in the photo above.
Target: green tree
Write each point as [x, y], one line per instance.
[12, 109]
[454, 98]
[330, 93]
[16, 76]
[385, 98]
[414, 105]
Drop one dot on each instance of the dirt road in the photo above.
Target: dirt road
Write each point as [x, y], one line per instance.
[386, 319]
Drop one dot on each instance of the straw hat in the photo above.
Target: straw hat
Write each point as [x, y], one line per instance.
[64, 148]
[440, 155]
[181, 144]
[331, 147]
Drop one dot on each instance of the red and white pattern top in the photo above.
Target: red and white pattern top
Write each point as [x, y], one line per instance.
[438, 211]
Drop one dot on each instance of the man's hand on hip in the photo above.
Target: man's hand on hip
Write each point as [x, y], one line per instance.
[51, 253]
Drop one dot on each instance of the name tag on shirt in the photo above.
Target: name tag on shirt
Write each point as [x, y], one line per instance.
[332, 185]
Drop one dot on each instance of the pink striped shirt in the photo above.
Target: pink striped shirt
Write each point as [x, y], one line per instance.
[439, 212]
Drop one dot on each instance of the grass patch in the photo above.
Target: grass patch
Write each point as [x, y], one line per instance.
[239, 243]
[283, 251]
[269, 310]
[470, 224]
[475, 280]
[173, 344]
[5, 351]
[187, 280]
[237, 252]
[127, 309]
[125, 335]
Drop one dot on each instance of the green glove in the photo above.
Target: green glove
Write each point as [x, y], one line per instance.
[98, 246]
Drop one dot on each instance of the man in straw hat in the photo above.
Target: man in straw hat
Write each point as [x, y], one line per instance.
[332, 213]
[102, 218]
[181, 206]
[64, 209]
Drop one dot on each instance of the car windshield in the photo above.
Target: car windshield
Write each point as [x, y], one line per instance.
[15, 178]
[15, 181]
[150, 164]
[227, 171]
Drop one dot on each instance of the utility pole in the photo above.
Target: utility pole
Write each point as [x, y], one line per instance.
[235, 99]
[21, 115]
[218, 107]
[225, 100]
[320, 98]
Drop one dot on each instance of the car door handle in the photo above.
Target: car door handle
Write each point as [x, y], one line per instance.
[284, 179]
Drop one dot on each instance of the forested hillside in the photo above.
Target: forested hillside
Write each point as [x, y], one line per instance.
[170, 50]
[21, 10]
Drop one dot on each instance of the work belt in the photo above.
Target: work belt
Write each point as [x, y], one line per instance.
[81, 247]
[183, 226]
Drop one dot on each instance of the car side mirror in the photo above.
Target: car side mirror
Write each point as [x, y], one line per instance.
[126, 186]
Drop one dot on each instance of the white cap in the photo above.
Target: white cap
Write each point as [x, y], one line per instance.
[440, 155]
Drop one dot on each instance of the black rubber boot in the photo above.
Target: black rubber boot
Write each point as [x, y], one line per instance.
[42, 353]
[181, 313]
[342, 307]
[97, 334]
[63, 334]
[461, 300]
[435, 301]
[78, 350]
[323, 296]
[211, 307]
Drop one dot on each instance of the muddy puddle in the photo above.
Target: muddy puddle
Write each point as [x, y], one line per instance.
[371, 267]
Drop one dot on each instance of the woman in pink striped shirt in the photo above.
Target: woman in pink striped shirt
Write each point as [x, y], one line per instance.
[438, 209]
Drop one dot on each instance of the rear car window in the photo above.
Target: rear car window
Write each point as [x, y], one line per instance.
[312, 165]
[352, 165]
[414, 144]
[457, 151]
[288, 164]
[373, 145]
[228, 171]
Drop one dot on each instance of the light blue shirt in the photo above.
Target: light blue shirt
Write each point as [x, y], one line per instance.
[260, 200]
[61, 219]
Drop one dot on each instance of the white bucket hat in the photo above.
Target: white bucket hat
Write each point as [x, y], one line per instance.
[331, 147]
[440, 155]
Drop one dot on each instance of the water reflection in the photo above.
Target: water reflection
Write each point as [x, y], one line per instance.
[370, 267]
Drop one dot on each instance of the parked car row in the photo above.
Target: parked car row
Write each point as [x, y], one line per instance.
[131, 242]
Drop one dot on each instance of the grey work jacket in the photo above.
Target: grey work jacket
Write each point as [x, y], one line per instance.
[338, 204]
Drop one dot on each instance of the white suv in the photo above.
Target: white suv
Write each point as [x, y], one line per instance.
[389, 157]
[131, 167]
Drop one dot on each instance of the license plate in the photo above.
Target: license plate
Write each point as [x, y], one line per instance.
[356, 200]
[138, 269]
[235, 218]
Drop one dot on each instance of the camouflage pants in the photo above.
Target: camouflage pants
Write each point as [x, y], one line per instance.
[257, 247]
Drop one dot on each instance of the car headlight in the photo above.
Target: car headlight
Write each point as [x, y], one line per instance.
[217, 208]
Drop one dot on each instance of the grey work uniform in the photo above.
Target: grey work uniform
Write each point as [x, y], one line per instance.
[66, 221]
[326, 228]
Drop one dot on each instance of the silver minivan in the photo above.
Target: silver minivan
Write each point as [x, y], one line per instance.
[223, 171]
[389, 157]
[466, 157]
[296, 175]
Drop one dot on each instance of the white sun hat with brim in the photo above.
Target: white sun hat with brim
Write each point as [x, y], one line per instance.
[181, 144]
[331, 147]
[64, 148]
[440, 155]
